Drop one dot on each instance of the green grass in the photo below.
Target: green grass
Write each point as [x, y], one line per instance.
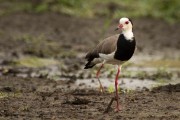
[168, 10]
[170, 63]
[111, 89]
[7, 94]
[35, 62]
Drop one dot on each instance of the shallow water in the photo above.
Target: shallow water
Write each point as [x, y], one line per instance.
[124, 83]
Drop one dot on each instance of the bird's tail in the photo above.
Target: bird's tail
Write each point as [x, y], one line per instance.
[89, 64]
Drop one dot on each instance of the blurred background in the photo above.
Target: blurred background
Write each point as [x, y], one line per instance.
[49, 38]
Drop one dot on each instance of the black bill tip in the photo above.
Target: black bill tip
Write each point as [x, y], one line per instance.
[116, 29]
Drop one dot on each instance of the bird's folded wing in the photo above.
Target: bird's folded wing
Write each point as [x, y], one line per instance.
[106, 46]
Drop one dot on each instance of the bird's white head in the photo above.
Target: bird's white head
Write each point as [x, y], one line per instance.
[125, 24]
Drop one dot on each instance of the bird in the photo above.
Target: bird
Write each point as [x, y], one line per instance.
[114, 50]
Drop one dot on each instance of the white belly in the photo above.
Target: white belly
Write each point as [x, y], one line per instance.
[115, 62]
[109, 59]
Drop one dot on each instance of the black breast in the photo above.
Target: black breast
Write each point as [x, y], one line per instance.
[125, 48]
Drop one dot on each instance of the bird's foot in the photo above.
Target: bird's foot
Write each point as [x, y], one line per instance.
[101, 89]
[117, 109]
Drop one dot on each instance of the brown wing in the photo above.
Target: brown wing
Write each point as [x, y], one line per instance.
[107, 46]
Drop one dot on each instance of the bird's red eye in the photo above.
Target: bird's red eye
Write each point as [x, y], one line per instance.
[127, 22]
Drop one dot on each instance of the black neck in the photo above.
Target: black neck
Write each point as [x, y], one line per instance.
[125, 48]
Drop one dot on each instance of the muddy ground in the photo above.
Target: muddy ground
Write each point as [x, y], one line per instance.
[42, 99]
[37, 92]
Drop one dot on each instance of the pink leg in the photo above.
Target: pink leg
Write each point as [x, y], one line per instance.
[116, 87]
[97, 76]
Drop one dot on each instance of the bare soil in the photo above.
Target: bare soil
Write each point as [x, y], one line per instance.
[42, 99]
